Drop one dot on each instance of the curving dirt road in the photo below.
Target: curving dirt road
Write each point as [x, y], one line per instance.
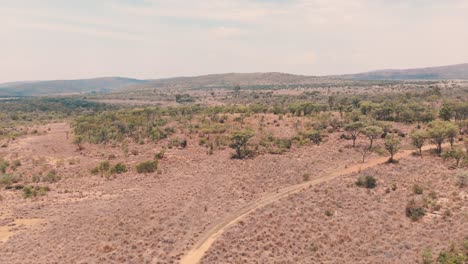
[195, 254]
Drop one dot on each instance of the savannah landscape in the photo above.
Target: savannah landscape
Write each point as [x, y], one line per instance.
[233, 132]
[310, 170]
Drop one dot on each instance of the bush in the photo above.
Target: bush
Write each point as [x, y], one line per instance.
[51, 177]
[3, 165]
[8, 179]
[427, 257]
[417, 189]
[415, 210]
[147, 167]
[95, 170]
[119, 168]
[455, 254]
[30, 191]
[366, 181]
[160, 154]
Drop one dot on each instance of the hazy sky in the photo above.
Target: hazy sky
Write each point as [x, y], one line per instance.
[65, 39]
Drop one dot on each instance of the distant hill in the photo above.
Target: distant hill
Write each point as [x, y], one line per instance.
[232, 79]
[111, 84]
[459, 71]
[63, 87]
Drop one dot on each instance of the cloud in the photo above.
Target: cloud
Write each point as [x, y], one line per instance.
[227, 32]
[159, 38]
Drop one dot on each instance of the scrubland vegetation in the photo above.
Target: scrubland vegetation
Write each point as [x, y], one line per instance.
[183, 159]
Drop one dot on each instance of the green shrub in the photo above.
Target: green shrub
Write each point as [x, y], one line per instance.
[455, 255]
[366, 181]
[427, 257]
[3, 165]
[119, 168]
[147, 167]
[8, 179]
[415, 210]
[30, 191]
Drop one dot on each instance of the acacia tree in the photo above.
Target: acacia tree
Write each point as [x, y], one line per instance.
[418, 137]
[456, 154]
[372, 132]
[354, 130]
[364, 151]
[392, 145]
[439, 131]
[452, 133]
[239, 141]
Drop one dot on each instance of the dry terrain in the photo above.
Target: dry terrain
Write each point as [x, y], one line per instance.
[135, 217]
[200, 205]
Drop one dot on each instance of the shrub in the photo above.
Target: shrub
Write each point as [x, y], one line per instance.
[160, 154]
[415, 210]
[183, 143]
[8, 179]
[119, 168]
[95, 170]
[417, 189]
[427, 256]
[30, 191]
[455, 154]
[51, 177]
[147, 167]
[3, 165]
[315, 136]
[366, 181]
[455, 254]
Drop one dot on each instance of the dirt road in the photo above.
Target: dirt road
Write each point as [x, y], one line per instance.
[194, 255]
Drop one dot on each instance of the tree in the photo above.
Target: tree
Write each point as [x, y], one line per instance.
[372, 132]
[456, 154]
[239, 141]
[439, 131]
[364, 151]
[354, 130]
[392, 144]
[452, 133]
[418, 137]
[237, 89]
[446, 112]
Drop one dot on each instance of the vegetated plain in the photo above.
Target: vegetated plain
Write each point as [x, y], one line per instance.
[268, 168]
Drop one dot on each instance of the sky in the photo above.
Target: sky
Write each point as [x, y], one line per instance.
[65, 39]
